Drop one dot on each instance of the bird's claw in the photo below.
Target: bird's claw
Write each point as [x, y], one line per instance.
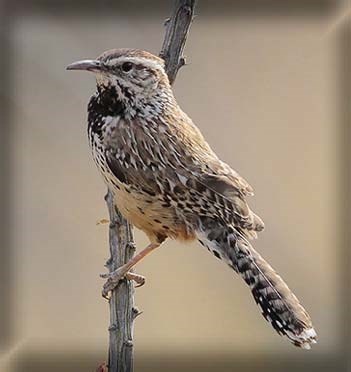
[137, 278]
[114, 277]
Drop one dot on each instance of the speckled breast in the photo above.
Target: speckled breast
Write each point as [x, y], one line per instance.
[148, 213]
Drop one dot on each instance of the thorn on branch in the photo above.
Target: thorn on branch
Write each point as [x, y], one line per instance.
[108, 262]
[131, 246]
[182, 62]
[163, 55]
[136, 312]
[112, 225]
[103, 221]
[185, 11]
[113, 327]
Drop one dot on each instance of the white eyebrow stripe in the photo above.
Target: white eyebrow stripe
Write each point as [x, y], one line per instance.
[138, 61]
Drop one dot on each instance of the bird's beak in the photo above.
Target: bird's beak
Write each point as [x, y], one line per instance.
[86, 65]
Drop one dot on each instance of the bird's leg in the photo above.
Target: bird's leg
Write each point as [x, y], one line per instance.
[115, 276]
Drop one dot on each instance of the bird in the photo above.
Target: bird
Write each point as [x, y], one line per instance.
[168, 182]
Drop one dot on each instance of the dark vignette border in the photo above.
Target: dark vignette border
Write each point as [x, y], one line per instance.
[233, 8]
[221, 7]
[6, 263]
[344, 108]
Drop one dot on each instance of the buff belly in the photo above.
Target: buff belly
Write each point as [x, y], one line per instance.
[147, 214]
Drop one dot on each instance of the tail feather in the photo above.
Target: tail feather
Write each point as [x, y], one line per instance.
[278, 304]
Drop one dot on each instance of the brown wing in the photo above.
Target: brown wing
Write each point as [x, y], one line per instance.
[216, 181]
[227, 195]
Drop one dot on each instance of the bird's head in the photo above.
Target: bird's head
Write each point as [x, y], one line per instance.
[134, 74]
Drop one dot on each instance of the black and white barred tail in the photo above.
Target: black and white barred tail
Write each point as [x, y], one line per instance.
[278, 304]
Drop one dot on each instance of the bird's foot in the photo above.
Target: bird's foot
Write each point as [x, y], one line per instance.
[114, 277]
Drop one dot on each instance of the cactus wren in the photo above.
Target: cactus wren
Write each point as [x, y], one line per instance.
[167, 181]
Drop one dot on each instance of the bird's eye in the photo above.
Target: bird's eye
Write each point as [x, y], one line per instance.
[127, 66]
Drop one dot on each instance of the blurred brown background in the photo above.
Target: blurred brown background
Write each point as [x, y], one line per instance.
[264, 84]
